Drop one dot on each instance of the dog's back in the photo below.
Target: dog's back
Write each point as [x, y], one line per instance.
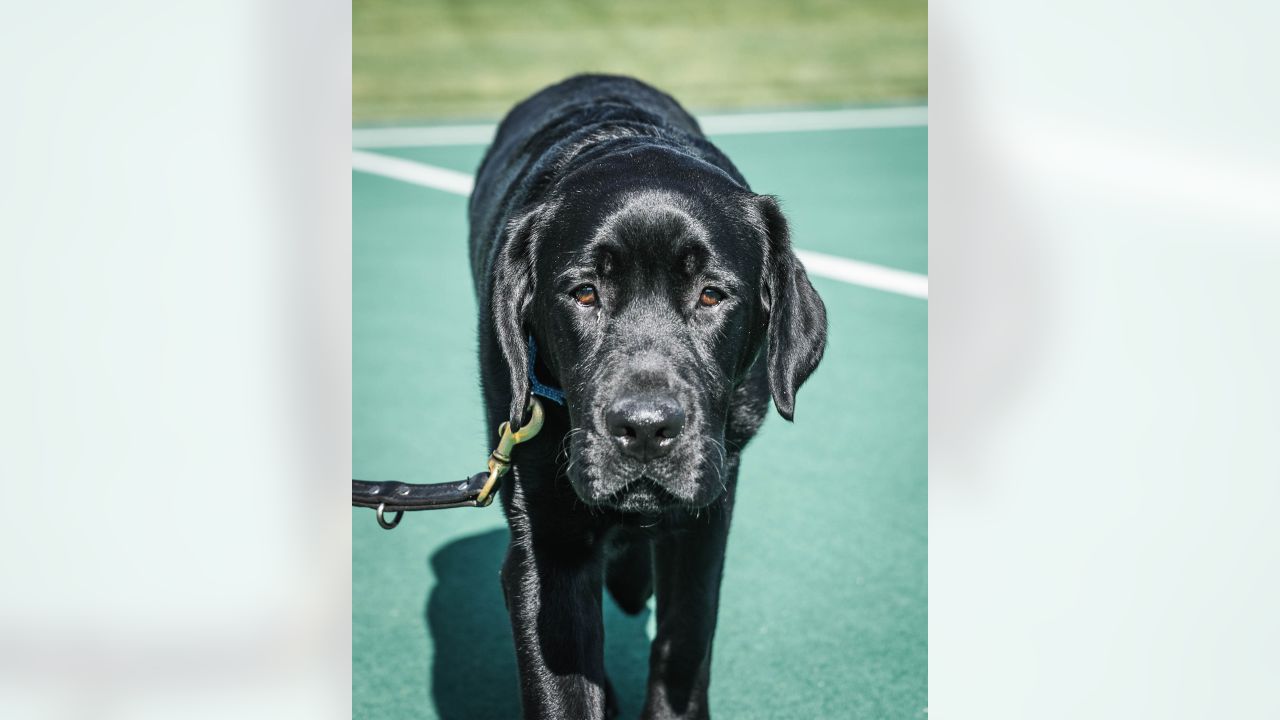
[566, 123]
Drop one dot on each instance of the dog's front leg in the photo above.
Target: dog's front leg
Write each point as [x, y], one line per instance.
[552, 578]
[688, 568]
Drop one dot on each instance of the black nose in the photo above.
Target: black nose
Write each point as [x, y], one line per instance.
[645, 426]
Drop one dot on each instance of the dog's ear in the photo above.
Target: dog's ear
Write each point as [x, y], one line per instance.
[797, 317]
[512, 294]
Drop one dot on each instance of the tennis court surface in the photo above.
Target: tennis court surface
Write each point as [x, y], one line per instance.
[824, 606]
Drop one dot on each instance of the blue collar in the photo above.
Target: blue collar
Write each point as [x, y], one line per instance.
[555, 395]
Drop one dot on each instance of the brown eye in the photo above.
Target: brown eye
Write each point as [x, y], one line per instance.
[585, 295]
[710, 296]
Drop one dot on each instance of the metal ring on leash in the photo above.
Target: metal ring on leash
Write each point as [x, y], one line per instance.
[382, 521]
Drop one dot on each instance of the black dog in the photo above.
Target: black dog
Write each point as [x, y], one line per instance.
[625, 269]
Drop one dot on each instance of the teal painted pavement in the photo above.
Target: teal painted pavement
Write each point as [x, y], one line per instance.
[825, 596]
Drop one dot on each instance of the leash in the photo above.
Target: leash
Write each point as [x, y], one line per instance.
[477, 490]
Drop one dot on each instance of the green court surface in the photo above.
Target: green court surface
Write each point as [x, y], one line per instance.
[823, 613]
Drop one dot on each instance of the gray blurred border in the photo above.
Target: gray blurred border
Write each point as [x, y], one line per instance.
[175, 270]
[1103, 354]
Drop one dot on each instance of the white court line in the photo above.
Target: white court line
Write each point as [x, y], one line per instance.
[853, 272]
[856, 272]
[732, 124]
[422, 136]
[413, 172]
[806, 120]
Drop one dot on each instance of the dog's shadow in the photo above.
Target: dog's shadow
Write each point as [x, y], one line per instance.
[473, 673]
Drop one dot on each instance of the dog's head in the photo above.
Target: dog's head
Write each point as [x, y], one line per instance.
[652, 284]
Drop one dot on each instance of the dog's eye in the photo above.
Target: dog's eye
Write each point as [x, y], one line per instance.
[710, 296]
[585, 295]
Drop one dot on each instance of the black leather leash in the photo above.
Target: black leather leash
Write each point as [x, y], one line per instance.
[476, 491]
[399, 497]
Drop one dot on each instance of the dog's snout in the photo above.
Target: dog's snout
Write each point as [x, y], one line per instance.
[645, 426]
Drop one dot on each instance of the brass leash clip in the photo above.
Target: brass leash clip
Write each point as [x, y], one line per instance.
[500, 458]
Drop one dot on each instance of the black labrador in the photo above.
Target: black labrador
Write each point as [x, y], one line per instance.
[628, 276]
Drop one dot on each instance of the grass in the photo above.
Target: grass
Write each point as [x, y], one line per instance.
[416, 59]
